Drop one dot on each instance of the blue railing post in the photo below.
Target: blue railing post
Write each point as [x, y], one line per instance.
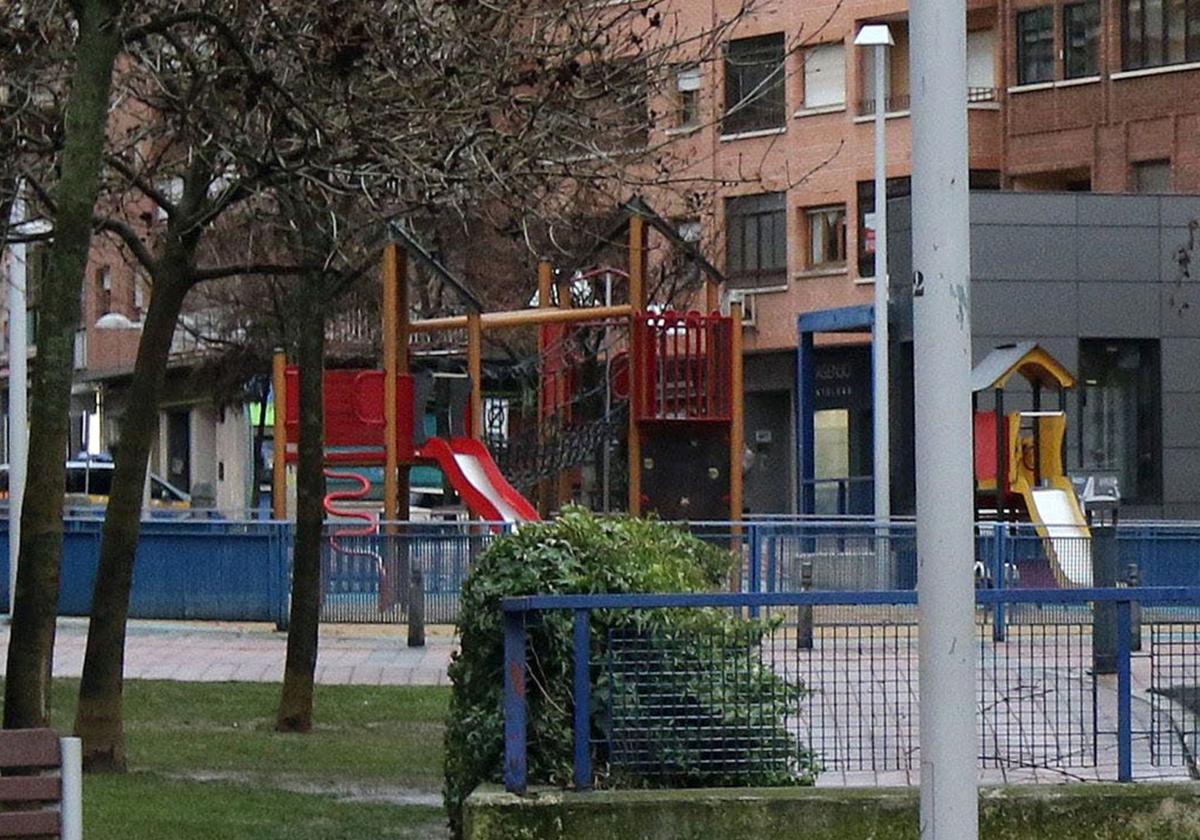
[999, 569]
[514, 703]
[583, 701]
[755, 582]
[772, 559]
[1124, 694]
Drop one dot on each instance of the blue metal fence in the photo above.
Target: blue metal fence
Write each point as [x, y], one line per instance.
[219, 569]
[232, 571]
[1056, 697]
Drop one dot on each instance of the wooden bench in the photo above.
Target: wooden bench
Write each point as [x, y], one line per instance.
[40, 791]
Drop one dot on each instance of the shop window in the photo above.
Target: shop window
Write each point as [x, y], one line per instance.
[1121, 417]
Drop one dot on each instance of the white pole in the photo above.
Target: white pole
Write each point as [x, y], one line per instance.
[942, 352]
[879, 340]
[72, 788]
[18, 430]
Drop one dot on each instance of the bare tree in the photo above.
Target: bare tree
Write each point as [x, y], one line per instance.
[31, 644]
[505, 115]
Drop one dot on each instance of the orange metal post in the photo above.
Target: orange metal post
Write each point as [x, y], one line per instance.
[562, 487]
[737, 432]
[475, 371]
[279, 467]
[545, 285]
[637, 302]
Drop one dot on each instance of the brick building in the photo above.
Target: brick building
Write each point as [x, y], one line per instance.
[1063, 96]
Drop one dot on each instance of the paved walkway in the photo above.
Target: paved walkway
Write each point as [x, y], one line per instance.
[229, 652]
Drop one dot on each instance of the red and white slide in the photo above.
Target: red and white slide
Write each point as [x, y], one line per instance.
[472, 472]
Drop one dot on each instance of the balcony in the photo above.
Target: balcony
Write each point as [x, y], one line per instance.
[901, 103]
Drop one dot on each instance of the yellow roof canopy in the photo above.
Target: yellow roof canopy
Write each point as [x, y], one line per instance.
[1025, 358]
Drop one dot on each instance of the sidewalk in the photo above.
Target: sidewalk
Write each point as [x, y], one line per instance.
[229, 652]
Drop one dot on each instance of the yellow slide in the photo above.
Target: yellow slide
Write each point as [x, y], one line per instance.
[1053, 506]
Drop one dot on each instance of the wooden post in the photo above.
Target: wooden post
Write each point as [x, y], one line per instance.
[391, 281]
[404, 368]
[475, 371]
[562, 487]
[712, 297]
[279, 464]
[545, 285]
[637, 300]
[737, 430]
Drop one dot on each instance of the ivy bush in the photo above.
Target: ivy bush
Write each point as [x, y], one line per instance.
[741, 715]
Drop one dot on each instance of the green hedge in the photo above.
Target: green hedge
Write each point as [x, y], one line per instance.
[581, 553]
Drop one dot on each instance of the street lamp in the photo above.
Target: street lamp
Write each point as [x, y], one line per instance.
[879, 37]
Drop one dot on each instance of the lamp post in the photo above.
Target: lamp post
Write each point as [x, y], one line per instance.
[18, 421]
[879, 38]
[941, 237]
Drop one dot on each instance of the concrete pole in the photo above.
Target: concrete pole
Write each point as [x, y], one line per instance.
[879, 341]
[942, 347]
[18, 400]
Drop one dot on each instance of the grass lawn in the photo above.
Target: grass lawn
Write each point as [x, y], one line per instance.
[206, 763]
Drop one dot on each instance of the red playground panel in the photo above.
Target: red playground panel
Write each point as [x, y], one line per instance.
[684, 364]
[985, 446]
[354, 414]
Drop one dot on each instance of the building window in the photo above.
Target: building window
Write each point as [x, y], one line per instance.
[1160, 32]
[896, 188]
[981, 65]
[1151, 177]
[756, 240]
[1120, 424]
[687, 106]
[826, 227]
[825, 76]
[1035, 46]
[103, 290]
[1081, 39]
[755, 87]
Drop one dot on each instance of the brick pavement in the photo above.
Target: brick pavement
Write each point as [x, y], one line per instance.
[220, 651]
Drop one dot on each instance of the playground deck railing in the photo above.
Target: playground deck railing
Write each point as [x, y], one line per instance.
[1111, 694]
[240, 570]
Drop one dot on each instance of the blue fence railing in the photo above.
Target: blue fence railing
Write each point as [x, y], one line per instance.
[219, 569]
[194, 569]
[708, 705]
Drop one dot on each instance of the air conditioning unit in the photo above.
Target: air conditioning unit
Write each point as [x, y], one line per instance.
[749, 310]
[749, 305]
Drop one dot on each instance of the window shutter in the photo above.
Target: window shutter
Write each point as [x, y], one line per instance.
[825, 76]
[981, 64]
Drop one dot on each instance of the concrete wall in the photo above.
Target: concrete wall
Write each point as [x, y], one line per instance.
[234, 459]
[1047, 812]
[1057, 268]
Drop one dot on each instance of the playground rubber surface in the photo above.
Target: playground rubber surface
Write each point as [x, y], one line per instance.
[234, 652]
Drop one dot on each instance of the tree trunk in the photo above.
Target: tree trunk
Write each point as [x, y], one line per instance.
[98, 719]
[31, 644]
[296, 701]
